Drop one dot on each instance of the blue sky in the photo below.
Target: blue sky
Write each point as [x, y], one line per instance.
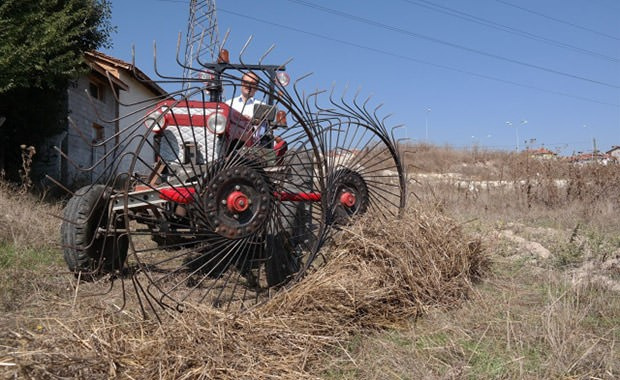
[476, 64]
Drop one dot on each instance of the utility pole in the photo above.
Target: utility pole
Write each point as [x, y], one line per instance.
[202, 39]
[428, 110]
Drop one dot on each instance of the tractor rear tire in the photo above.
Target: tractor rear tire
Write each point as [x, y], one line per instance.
[83, 251]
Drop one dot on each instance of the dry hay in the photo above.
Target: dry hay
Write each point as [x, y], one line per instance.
[378, 276]
[25, 221]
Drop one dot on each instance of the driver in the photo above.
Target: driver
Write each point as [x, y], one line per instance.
[244, 104]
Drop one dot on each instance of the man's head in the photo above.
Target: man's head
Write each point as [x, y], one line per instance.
[249, 81]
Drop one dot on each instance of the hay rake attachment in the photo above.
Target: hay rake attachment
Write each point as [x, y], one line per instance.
[237, 203]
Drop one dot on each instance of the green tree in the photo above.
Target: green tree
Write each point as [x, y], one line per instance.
[42, 41]
[42, 45]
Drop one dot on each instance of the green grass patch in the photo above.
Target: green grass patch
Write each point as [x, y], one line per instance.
[486, 359]
[567, 254]
[12, 257]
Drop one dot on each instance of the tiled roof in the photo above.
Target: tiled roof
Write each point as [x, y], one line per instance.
[541, 151]
[112, 65]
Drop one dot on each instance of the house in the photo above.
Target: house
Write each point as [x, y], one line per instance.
[106, 107]
[614, 152]
[592, 158]
[542, 154]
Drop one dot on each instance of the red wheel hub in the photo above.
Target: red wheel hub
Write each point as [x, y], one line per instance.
[348, 199]
[237, 201]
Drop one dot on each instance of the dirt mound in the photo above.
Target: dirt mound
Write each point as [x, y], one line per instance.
[376, 276]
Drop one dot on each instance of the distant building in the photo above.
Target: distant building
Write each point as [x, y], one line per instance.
[96, 138]
[592, 158]
[542, 154]
[614, 152]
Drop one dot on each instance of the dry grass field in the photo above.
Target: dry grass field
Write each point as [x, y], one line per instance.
[501, 267]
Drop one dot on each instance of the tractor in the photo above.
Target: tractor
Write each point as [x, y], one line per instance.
[235, 205]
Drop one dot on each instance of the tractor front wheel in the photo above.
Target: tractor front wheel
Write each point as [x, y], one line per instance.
[91, 242]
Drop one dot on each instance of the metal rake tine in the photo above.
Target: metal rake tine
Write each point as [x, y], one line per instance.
[225, 39]
[73, 125]
[344, 92]
[297, 81]
[389, 115]
[377, 107]
[178, 51]
[245, 46]
[315, 95]
[367, 100]
[94, 108]
[357, 93]
[282, 66]
[56, 182]
[360, 110]
[135, 72]
[331, 92]
[171, 78]
[374, 116]
[260, 60]
[116, 98]
[74, 164]
[399, 126]
[402, 140]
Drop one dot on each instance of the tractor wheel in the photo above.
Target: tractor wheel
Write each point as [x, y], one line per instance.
[349, 196]
[86, 249]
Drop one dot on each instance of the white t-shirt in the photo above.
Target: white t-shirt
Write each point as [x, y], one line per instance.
[247, 110]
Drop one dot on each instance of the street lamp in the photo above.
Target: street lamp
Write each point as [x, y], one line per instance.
[509, 123]
[523, 122]
[428, 110]
[593, 140]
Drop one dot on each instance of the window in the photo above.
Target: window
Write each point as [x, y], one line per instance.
[95, 90]
[98, 133]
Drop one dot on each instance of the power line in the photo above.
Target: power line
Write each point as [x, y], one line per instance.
[558, 20]
[446, 43]
[508, 29]
[400, 56]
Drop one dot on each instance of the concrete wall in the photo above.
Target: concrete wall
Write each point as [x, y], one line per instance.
[135, 103]
[90, 160]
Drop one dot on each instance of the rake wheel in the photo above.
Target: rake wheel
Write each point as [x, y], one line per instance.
[226, 227]
[363, 164]
[237, 198]
[349, 195]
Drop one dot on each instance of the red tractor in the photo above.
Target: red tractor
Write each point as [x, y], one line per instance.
[233, 206]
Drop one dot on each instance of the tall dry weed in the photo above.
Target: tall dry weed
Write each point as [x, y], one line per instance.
[25, 221]
[472, 184]
[378, 276]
